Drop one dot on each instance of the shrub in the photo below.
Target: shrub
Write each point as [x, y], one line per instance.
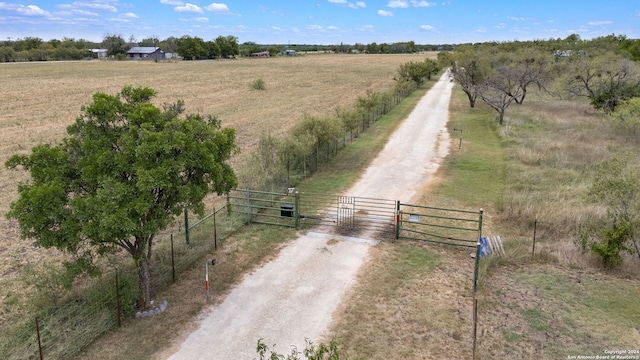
[258, 85]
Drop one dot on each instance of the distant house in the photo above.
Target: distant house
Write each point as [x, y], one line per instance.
[145, 53]
[289, 52]
[98, 53]
[262, 54]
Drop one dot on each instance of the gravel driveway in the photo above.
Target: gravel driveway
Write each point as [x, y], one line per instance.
[294, 296]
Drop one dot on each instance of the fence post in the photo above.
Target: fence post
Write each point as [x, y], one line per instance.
[535, 226]
[228, 204]
[476, 268]
[38, 334]
[118, 300]
[475, 325]
[215, 231]
[297, 208]
[173, 261]
[398, 219]
[480, 224]
[186, 226]
[247, 196]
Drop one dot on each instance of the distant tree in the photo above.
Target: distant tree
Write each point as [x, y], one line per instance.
[228, 46]
[152, 41]
[373, 48]
[115, 45]
[469, 71]
[169, 45]
[191, 48]
[445, 59]
[26, 44]
[264, 169]
[501, 86]
[531, 68]
[125, 171]
[418, 72]
[213, 49]
[351, 119]
[605, 80]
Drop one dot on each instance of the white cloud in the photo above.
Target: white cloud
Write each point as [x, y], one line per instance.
[500, 26]
[599, 23]
[481, 30]
[314, 27]
[514, 18]
[130, 15]
[189, 8]
[98, 6]
[219, 8]
[338, 1]
[385, 13]
[31, 10]
[276, 28]
[369, 28]
[357, 5]
[416, 3]
[120, 19]
[171, 2]
[398, 4]
[332, 27]
[201, 19]
[83, 12]
[427, 27]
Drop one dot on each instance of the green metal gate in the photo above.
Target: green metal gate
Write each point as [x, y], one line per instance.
[439, 225]
[312, 209]
[263, 207]
[407, 221]
[348, 212]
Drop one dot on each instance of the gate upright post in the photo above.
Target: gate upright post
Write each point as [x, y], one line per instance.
[297, 209]
[477, 265]
[186, 225]
[397, 219]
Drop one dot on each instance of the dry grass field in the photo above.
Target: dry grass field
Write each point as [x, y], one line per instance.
[39, 100]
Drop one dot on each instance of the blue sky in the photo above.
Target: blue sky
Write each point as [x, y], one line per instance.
[322, 21]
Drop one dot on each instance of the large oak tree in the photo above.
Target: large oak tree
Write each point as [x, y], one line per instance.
[125, 171]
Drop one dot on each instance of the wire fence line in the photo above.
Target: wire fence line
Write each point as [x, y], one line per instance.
[88, 312]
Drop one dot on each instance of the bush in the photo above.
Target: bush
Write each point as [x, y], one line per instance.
[311, 352]
[258, 85]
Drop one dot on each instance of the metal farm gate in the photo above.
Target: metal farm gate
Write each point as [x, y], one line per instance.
[264, 207]
[348, 212]
[439, 225]
[296, 209]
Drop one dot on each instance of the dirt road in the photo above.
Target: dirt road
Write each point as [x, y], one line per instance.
[294, 296]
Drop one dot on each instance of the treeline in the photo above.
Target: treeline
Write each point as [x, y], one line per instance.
[188, 47]
[35, 49]
[604, 70]
[278, 163]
